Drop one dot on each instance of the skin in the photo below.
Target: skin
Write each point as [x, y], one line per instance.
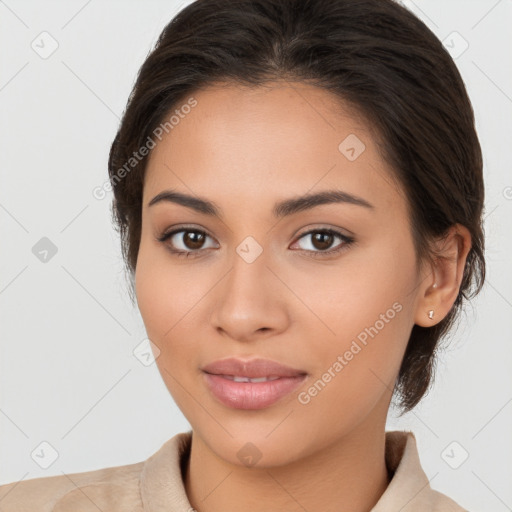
[246, 149]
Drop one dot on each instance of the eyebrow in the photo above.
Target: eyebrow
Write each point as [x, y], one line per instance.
[281, 209]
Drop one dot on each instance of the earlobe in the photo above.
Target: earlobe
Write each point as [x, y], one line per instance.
[440, 290]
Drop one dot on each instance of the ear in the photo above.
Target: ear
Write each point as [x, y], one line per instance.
[440, 288]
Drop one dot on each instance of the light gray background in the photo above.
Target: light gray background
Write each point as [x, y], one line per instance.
[68, 373]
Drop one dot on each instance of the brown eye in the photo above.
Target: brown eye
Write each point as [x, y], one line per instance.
[193, 239]
[322, 240]
[185, 241]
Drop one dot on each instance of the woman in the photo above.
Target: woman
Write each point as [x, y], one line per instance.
[298, 189]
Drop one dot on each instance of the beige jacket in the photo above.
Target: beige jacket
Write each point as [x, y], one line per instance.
[156, 485]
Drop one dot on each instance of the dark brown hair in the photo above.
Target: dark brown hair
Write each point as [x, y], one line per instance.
[375, 56]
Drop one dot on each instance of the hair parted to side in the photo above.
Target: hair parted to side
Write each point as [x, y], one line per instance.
[374, 55]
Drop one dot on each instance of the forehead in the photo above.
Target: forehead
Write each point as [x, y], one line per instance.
[281, 138]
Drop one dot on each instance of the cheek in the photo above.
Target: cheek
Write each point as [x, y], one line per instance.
[169, 295]
[366, 310]
[151, 298]
[159, 295]
[346, 298]
[165, 300]
[165, 290]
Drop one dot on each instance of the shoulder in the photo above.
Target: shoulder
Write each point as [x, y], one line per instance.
[155, 482]
[443, 503]
[109, 489]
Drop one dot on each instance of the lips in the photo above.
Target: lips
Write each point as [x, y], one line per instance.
[252, 369]
[254, 384]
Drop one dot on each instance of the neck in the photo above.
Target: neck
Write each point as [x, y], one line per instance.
[351, 473]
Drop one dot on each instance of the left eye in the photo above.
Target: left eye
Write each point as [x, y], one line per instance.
[321, 241]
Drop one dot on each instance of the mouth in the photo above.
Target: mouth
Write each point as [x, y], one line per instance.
[254, 384]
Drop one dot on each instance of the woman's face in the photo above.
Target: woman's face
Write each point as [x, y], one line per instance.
[259, 281]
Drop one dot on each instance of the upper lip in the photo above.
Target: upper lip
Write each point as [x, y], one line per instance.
[252, 368]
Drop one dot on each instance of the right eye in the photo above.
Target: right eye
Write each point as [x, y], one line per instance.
[188, 241]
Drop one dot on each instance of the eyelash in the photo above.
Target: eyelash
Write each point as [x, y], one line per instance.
[347, 242]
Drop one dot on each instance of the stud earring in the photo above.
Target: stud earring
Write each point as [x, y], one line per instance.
[431, 314]
[434, 285]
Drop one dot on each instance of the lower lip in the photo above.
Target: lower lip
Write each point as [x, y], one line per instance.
[251, 395]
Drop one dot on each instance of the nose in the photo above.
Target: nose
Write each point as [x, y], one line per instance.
[251, 302]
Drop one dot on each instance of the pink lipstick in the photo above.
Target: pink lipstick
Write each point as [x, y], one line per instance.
[253, 384]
